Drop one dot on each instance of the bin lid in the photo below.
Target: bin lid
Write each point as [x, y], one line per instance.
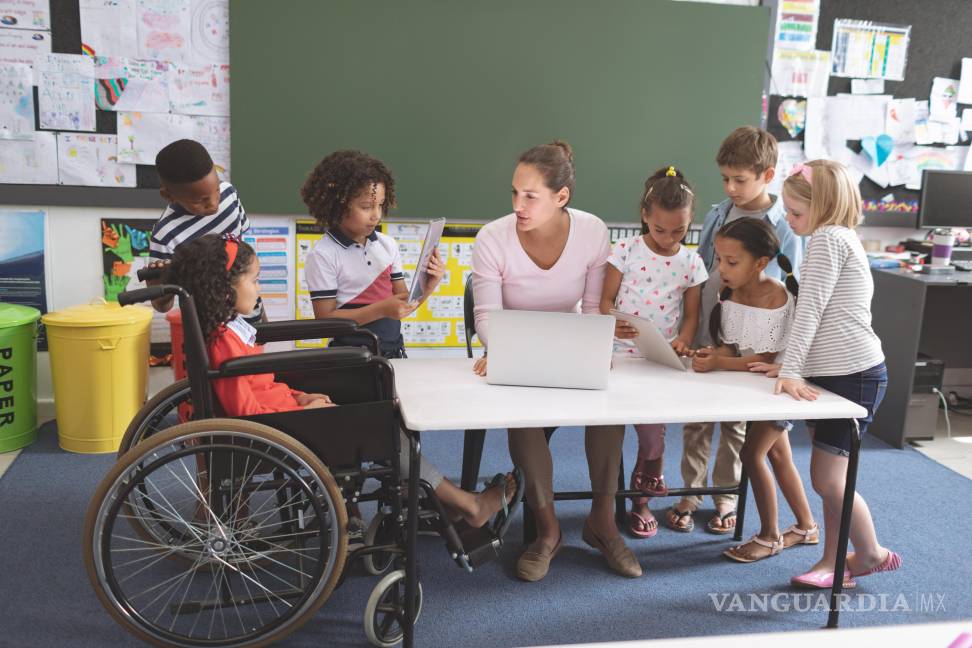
[17, 315]
[99, 314]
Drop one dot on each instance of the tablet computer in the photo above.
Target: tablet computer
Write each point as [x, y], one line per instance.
[432, 236]
[652, 344]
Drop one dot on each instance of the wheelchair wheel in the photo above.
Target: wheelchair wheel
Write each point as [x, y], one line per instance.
[261, 533]
[382, 530]
[384, 605]
[169, 407]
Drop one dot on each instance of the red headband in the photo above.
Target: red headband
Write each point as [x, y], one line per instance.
[232, 247]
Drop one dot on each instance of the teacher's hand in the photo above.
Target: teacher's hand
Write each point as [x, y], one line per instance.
[480, 367]
[796, 388]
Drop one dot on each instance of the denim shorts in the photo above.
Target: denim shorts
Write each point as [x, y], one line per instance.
[866, 388]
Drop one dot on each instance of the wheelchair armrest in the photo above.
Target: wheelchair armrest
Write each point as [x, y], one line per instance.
[304, 329]
[293, 361]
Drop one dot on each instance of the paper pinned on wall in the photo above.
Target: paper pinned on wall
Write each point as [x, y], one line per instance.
[965, 82]
[788, 155]
[108, 28]
[200, 90]
[92, 161]
[142, 135]
[25, 14]
[209, 35]
[16, 101]
[214, 134]
[933, 157]
[943, 100]
[29, 161]
[796, 24]
[852, 117]
[868, 50]
[65, 90]
[800, 74]
[125, 84]
[922, 134]
[967, 119]
[23, 46]
[163, 29]
[899, 121]
[867, 86]
[814, 129]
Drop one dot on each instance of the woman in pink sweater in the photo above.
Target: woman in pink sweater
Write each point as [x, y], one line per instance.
[548, 257]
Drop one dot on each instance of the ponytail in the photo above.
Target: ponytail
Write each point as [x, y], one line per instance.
[715, 318]
[791, 283]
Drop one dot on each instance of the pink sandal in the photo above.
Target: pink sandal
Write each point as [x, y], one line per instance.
[821, 580]
[892, 562]
[638, 525]
[650, 485]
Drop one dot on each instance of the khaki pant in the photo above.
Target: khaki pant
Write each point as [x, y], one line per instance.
[530, 452]
[696, 450]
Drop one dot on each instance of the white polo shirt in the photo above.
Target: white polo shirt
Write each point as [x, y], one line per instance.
[351, 273]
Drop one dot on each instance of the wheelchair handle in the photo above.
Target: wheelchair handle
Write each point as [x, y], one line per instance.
[148, 274]
[148, 294]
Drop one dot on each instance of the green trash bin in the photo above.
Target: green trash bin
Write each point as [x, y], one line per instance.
[18, 376]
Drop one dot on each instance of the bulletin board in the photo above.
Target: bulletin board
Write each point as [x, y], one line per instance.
[438, 323]
[174, 52]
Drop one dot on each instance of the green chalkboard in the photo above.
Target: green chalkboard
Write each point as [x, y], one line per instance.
[449, 92]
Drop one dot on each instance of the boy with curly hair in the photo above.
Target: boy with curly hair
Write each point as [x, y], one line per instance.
[355, 271]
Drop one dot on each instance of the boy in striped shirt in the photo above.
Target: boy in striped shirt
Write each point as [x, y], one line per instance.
[198, 204]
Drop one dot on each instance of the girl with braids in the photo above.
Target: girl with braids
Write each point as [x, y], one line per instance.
[749, 325]
[221, 275]
[656, 277]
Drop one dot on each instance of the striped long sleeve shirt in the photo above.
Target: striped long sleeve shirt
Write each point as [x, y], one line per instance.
[831, 333]
[177, 226]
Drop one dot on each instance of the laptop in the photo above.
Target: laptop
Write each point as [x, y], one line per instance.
[541, 349]
[652, 344]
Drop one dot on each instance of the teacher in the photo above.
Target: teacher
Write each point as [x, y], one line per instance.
[546, 256]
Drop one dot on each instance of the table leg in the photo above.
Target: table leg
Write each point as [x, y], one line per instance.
[472, 457]
[621, 502]
[741, 503]
[850, 484]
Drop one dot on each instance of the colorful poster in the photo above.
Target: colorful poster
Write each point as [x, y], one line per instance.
[108, 28]
[16, 101]
[163, 29]
[272, 245]
[125, 251]
[65, 90]
[23, 46]
[308, 232]
[800, 74]
[943, 100]
[865, 50]
[200, 90]
[796, 25]
[92, 161]
[209, 35]
[22, 262]
[25, 14]
[29, 161]
[131, 84]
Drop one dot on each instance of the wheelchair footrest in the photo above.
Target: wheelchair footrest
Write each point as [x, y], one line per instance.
[480, 545]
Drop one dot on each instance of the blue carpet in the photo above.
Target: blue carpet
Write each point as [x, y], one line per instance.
[921, 510]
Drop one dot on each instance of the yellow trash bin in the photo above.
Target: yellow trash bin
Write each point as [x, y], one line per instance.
[99, 364]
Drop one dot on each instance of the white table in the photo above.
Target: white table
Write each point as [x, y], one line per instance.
[445, 394]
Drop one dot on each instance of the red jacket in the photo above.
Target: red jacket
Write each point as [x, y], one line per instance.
[246, 395]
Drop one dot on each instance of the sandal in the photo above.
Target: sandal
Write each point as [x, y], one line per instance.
[650, 485]
[721, 530]
[673, 519]
[503, 518]
[639, 525]
[809, 536]
[775, 547]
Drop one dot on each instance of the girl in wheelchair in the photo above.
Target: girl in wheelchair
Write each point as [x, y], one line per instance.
[221, 273]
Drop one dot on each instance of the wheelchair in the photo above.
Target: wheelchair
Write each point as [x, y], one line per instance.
[222, 531]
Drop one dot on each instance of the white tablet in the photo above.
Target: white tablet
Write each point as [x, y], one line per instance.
[432, 237]
[652, 344]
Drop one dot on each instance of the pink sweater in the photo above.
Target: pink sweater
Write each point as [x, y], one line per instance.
[505, 277]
